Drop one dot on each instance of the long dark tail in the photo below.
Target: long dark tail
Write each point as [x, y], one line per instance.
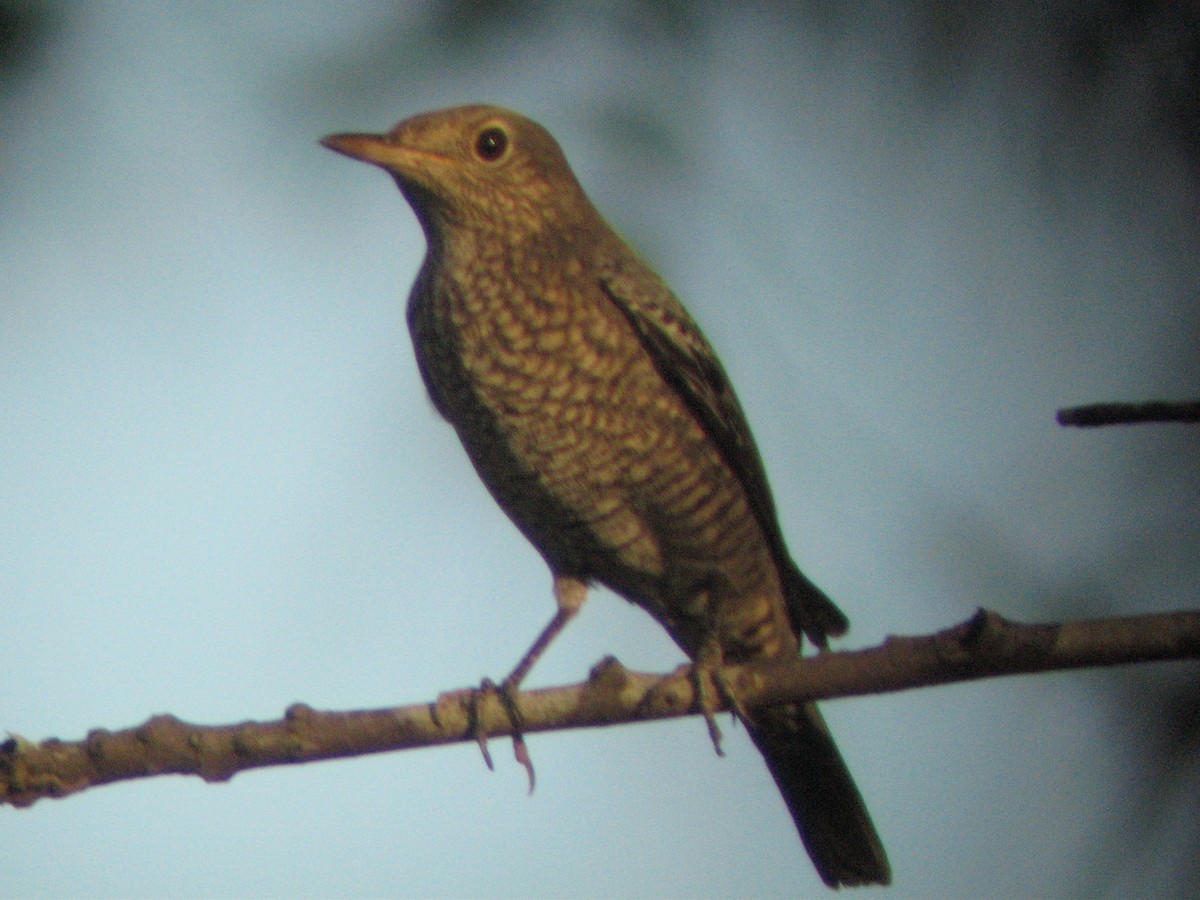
[820, 794]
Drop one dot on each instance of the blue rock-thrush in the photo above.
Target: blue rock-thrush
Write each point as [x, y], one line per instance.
[602, 422]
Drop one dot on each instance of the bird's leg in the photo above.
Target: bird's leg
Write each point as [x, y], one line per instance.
[569, 594]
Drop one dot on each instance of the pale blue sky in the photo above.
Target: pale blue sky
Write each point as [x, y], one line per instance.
[223, 490]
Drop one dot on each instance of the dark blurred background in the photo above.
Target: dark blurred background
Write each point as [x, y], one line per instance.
[912, 231]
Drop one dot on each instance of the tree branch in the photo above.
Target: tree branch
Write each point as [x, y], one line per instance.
[1096, 414]
[985, 646]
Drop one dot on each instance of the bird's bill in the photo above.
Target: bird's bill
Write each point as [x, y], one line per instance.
[371, 148]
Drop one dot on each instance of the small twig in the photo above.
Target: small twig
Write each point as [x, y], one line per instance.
[1097, 414]
[987, 645]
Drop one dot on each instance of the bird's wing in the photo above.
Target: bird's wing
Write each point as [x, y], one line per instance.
[687, 363]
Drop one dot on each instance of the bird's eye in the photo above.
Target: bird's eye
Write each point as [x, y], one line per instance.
[491, 143]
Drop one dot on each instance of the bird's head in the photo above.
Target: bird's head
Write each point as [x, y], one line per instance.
[481, 168]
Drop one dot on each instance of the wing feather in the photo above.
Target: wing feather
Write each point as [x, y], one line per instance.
[687, 363]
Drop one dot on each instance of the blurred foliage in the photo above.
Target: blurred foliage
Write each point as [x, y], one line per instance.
[1086, 50]
[26, 28]
[1102, 38]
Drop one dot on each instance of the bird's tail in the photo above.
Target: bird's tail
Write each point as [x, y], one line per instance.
[820, 794]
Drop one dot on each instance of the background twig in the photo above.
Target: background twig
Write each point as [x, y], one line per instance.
[1096, 414]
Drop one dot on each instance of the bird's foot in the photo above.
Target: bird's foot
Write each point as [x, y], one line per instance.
[730, 696]
[506, 693]
[709, 669]
[569, 594]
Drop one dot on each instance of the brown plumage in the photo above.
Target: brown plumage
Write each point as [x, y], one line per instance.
[603, 424]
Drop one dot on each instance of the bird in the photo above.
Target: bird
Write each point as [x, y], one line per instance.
[604, 425]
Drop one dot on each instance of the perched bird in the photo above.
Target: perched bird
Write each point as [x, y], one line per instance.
[603, 424]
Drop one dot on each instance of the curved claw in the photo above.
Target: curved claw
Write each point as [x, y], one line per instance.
[521, 753]
[475, 724]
